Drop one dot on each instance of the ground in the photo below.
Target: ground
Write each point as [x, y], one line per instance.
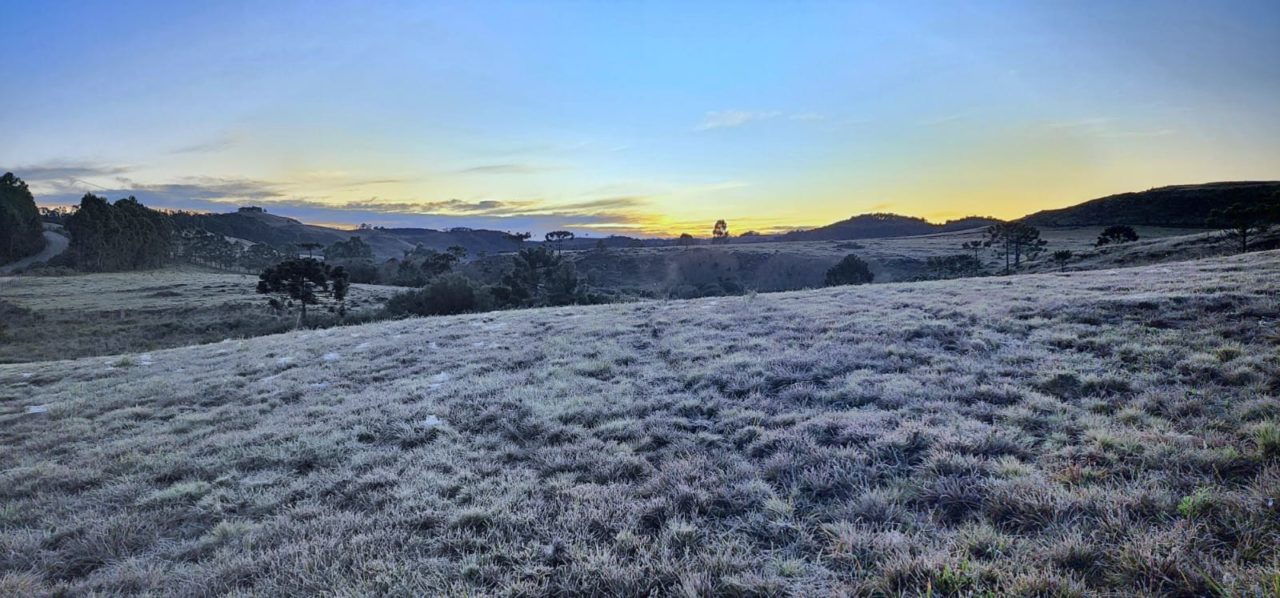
[64, 317]
[1112, 432]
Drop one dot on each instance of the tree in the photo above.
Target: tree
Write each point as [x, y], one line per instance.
[352, 249]
[960, 265]
[685, 240]
[1061, 257]
[305, 280]
[538, 277]
[557, 238]
[973, 246]
[310, 247]
[21, 233]
[1014, 241]
[850, 270]
[1242, 221]
[720, 233]
[123, 236]
[519, 237]
[1117, 234]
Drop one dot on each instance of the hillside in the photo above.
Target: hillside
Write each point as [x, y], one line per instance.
[1179, 205]
[62, 317]
[874, 226]
[1100, 433]
[263, 227]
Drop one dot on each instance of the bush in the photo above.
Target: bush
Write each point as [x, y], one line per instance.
[850, 270]
[704, 273]
[446, 295]
[1117, 234]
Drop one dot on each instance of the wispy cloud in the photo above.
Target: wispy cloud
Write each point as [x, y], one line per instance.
[722, 119]
[507, 168]
[733, 118]
[211, 146]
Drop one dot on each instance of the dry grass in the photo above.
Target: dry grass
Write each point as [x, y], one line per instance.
[1097, 433]
[102, 314]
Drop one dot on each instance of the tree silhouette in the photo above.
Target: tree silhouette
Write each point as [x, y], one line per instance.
[1116, 234]
[720, 232]
[306, 281]
[21, 233]
[1061, 257]
[1015, 241]
[1244, 221]
[850, 270]
[974, 246]
[557, 238]
[685, 240]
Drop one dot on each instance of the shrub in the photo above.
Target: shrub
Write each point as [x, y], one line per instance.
[447, 295]
[851, 270]
[1117, 234]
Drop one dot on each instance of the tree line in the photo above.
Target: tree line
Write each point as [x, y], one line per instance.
[21, 233]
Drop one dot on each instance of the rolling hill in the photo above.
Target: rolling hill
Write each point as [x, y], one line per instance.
[1112, 432]
[1175, 206]
[262, 227]
[876, 226]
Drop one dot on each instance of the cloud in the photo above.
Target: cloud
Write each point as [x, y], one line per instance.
[207, 147]
[733, 118]
[52, 171]
[506, 168]
[721, 119]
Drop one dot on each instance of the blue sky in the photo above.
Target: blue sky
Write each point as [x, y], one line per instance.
[635, 117]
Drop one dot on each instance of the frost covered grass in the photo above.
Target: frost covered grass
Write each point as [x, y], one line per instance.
[66, 317]
[1112, 432]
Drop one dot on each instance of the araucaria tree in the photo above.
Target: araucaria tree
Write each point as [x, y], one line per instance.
[538, 277]
[1242, 222]
[1061, 257]
[1015, 241]
[557, 238]
[21, 233]
[720, 233]
[1117, 234]
[850, 270]
[306, 281]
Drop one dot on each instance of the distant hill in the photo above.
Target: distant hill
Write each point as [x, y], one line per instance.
[258, 226]
[875, 226]
[1178, 206]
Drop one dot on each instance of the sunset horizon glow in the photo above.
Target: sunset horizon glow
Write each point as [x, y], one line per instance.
[652, 119]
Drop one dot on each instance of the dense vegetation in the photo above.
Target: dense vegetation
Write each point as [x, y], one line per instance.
[125, 235]
[21, 233]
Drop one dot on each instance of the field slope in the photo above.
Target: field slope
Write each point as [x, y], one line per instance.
[1107, 432]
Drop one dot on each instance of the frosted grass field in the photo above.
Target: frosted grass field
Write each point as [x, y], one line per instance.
[1112, 432]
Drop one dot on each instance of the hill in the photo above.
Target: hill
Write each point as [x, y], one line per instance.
[261, 227]
[1176, 206]
[1100, 433]
[875, 226]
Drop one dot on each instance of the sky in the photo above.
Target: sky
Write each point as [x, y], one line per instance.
[634, 117]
